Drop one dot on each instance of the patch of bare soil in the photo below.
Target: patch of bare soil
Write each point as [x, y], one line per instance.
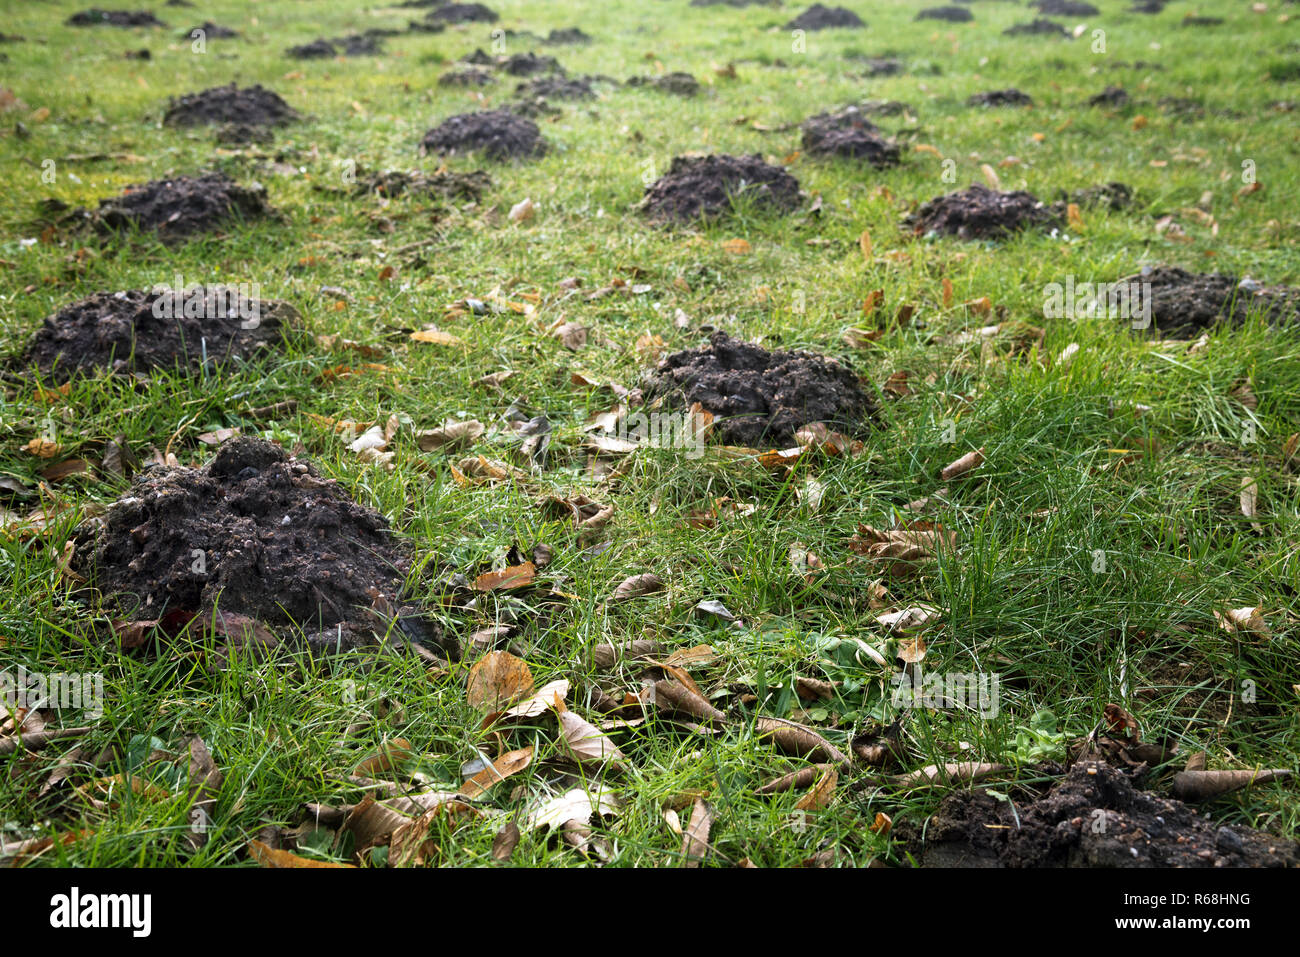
[251, 545]
[982, 213]
[1008, 97]
[848, 133]
[1066, 8]
[144, 330]
[212, 31]
[463, 13]
[1036, 28]
[1184, 304]
[498, 134]
[114, 18]
[569, 36]
[681, 84]
[948, 14]
[219, 105]
[1112, 96]
[706, 187]
[759, 399]
[818, 17]
[473, 76]
[1095, 816]
[530, 64]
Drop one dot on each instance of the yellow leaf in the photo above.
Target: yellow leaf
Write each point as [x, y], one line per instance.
[864, 243]
[737, 247]
[436, 336]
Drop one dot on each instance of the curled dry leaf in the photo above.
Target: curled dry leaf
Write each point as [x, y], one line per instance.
[587, 744]
[799, 741]
[576, 804]
[503, 845]
[1249, 620]
[969, 461]
[802, 778]
[822, 793]
[436, 337]
[372, 824]
[516, 576]
[452, 434]
[1203, 785]
[391, 754]
[498, 680]
[695, 839]
[638, 585]
[958, 772]
[605, 656]
[267, 856]
[512, 762]
[542, 701]
[675, 698]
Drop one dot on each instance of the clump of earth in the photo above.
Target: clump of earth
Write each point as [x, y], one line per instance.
[145, 330]
[1112, 96]
[1037, 27]
[530, 64]
[760, 398]
[569, 36]
[556, 88]
[469, 77]
[498, 134]
[463, 13]
[982, 213]
[848, 133]
[1008, 97]
[357, 44]
[250, 106]
[114, 18]
[1094, 816]
[707, 187]
[180, 207]
[255, 543]
[882, 65]
[1066, 8]
[681, 84]
[1185, 304]
[212, 30]
[950, 14]
[818, 17]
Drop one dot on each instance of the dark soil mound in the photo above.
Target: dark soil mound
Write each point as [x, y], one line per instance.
[498, 134]
[120, 332]
[180, 207]
[1093, 817]
[254, 535]
[1066, 8]
[445, 185]
[463, 13]
[818, 17]
[1038, 27]
[251, 106]
[1184, 304]
[682, 84]
[212, 30]
[982, 213]
[848, 133]
[570, 36]
[1113, 96]
[705, 187]
[950, 14]
[1148, 6]
[759, 399]
[114, 18]
[556, 88]
[530, 64]
[1008, 97]
[471, 77]
[883, 66]
[316, 50]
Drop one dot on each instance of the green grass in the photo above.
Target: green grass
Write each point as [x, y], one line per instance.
[1073, 470]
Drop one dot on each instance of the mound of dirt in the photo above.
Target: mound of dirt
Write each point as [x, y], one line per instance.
[950, 14]
[848, 133]
[251, 106]
[180, 207]
[818, 17]
[1066, 8]
[1008, 97]
[982, 213]
[463, 13]
[556, 88]
[569, 36]
[705, 187]
[681, 84]
[1148, 6]
[1037, 27]
[1112, 96]
[1183, 304]
[530, 64]
[498, 134]
[253, 541]
[443, 185]
[114, 18]
[212, 31]
[1093, 817]
[144, 330]
[315, 50]
[759, 399]
[471, 77]
[882, 66]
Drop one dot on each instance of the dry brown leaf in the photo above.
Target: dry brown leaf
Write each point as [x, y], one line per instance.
[822, 793]
[637, 586]
[802, 778]
[864, 244]
[544, 700]
[515, 576]
[605, 656]
[503, 845]
[452, 434]
[587, 744]
[268, 856]
[436, 337]
[799, 741]
[674, 697]
[498, 680]
[961, 466]
[512, 762]
[695, 839]
[391, 754]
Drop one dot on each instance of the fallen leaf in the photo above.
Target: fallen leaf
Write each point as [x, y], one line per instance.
[822, 793]
[498, 680]
[512, 762]
[695, 839]
[516, 576]
[638, 586]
